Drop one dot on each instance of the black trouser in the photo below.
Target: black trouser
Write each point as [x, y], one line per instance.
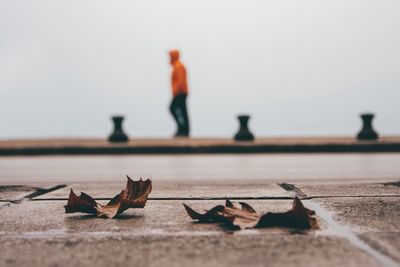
[179, 112]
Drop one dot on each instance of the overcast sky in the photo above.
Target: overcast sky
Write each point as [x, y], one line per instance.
[298, 67]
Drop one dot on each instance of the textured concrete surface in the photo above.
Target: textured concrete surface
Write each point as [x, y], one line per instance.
[362, 193]
[377, 213]
[207, 250]
[375, 219]
[350, 188]
[162, 233]
[386, 242]
[372, 210]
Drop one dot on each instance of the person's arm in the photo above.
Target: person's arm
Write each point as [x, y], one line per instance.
[178, 80]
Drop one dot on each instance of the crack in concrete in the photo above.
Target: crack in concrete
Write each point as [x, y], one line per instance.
[293, 188]
[17, 188]
[38, 192]
[6, 204]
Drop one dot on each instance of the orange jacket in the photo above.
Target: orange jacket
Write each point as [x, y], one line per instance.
[179, 77]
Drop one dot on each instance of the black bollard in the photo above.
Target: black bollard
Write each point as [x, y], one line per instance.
[244, 133]
[118, 135]
[367, 132]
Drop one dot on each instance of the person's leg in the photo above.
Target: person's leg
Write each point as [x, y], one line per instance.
[185, 117]
[179, 115]
[173, 108]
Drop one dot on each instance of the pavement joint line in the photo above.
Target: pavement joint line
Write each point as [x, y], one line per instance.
[230, 198]
[356, 196]
[340, 230]
[181, 198]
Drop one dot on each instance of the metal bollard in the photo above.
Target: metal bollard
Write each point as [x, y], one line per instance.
[244, 133]
[367, 132]
[118, 135]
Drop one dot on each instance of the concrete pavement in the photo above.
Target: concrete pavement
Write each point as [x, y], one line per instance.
[356, 197]
[38, 232]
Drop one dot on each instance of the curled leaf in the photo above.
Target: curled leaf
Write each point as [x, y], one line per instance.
[298, 217]
[84, 203]
[246, 217]
[212, 215]
[133, 196]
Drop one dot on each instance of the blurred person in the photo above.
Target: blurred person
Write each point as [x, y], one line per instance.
[179, 93]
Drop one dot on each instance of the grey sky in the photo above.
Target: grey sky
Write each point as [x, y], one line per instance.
[298, 67]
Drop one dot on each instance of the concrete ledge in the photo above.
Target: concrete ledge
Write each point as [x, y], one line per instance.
[193, 146]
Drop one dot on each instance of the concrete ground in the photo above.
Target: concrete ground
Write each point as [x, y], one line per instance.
[359, 216]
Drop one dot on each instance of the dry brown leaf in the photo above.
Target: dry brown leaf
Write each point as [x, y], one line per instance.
[246, 217]
[133, 196]
[212, 215]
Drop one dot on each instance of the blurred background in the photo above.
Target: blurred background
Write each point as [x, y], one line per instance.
[298, 67]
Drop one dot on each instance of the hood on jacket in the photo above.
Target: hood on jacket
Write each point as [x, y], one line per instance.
[174, 55]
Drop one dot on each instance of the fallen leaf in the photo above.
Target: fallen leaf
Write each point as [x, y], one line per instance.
[84, 203]
[298, 217]
[212, 215]
[133, 196]
[246, 217]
